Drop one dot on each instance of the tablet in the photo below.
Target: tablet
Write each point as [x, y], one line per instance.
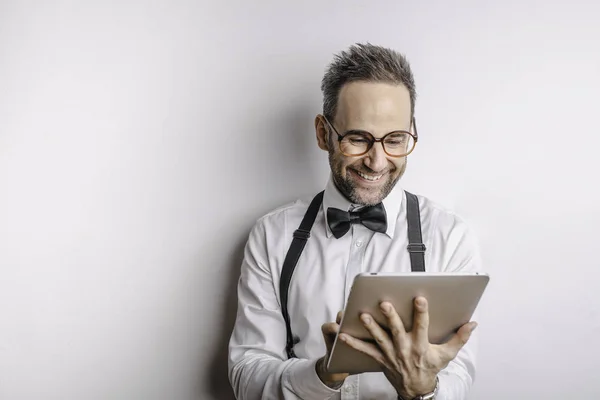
[452, 299]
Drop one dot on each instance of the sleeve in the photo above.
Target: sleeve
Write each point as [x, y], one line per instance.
[461, 254]
[258, 368]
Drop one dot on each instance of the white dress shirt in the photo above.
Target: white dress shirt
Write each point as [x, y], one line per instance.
[258, 365]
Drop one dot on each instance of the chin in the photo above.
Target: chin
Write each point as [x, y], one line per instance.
[368, 197]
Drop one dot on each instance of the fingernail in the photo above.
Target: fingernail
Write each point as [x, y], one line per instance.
[385, 306]
[366, 319]
[343, 338]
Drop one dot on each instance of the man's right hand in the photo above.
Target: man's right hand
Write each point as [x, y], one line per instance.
[330, 330]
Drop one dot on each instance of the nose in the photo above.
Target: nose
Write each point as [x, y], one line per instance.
[376, 159]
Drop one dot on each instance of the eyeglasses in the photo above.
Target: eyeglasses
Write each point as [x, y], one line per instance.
[356, 142]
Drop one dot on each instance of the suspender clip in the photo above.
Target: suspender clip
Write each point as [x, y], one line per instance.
[416, 248]
[301, 234]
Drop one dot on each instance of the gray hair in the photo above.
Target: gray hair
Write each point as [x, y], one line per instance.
[365, 62]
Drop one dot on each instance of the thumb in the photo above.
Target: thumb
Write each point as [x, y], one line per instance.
[329, 330]
[459, 339]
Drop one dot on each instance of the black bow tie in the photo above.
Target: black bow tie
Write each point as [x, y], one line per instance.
[373, 217]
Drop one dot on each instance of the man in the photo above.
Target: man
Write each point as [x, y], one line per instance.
[368, 130]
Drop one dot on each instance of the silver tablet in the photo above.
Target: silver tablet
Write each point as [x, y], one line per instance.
[452, 299]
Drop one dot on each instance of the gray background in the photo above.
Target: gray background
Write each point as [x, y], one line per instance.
[139, 142]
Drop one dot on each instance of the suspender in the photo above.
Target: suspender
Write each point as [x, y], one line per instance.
[301, 235]
[416, 248]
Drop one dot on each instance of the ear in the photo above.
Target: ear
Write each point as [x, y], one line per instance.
[413, 126]
[322, 132]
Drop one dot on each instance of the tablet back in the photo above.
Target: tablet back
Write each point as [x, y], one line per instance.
[452, 298]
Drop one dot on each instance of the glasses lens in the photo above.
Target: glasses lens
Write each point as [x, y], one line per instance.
[354, 144]
[399, 144]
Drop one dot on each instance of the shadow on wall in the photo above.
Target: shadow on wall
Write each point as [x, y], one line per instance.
[216, 381]
[292, 164]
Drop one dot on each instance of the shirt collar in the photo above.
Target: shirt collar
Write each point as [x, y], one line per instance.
[334, 198]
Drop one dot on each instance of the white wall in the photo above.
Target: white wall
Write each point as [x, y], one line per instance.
[140, 140]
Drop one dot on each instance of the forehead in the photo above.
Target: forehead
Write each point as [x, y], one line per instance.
[374, 106]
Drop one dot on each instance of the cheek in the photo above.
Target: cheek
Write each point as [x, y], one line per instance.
[398, 165]
[343, 162]
[353, 163]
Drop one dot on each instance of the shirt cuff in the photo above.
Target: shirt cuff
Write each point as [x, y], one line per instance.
[451, 387]
[303, 380]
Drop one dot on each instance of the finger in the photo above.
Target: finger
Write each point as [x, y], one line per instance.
[330, 328]
[367, 348]
[338, 318]
[329, 331]
[421, 322]
[458, 341]
[381, 337]
[395, 324]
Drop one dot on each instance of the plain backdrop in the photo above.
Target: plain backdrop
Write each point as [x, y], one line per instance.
[141, 140]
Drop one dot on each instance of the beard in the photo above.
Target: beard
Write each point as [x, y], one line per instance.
[347, 186]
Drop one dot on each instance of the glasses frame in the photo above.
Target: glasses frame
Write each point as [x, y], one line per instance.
[372, 139]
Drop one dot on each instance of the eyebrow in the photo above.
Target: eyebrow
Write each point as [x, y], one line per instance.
[370, 133]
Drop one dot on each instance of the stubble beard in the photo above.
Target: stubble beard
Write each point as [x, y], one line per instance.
[350, 190]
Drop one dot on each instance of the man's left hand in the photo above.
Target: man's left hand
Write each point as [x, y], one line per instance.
[408, 360]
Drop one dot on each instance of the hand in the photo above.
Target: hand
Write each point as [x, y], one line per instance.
[330, 330]
[408, 360]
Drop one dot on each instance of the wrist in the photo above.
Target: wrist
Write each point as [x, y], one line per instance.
[424, 395]
[325, 377]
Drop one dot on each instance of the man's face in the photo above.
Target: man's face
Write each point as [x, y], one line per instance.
[378, 108]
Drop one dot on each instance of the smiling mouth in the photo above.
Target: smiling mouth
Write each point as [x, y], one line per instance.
[370, 178]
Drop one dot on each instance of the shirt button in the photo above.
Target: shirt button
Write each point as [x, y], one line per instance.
[359, 243]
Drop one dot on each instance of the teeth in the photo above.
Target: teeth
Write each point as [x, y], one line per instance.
[369, 177]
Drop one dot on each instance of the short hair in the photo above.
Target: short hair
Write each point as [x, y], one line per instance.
[368, 63]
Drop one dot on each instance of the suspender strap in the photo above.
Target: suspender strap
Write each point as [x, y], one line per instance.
[301, 235]
[416, 248]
